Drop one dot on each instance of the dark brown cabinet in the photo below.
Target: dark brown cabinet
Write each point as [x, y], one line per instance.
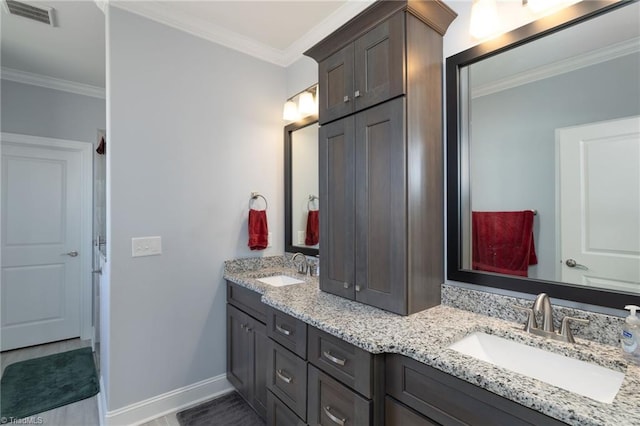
[363, 182]
[381, 158]
[363, 73]
[247, 349]
[447, 400]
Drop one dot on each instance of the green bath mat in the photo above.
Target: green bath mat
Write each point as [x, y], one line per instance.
[41, 384]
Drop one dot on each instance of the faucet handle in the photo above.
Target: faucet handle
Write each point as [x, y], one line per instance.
[565, 329]
[531, 318]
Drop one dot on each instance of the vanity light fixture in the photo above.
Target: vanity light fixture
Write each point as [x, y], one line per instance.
[290, 112]
[484, 19]
[307, 104]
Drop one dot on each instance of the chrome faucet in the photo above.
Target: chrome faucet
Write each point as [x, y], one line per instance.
[542, 306]
[303, 267]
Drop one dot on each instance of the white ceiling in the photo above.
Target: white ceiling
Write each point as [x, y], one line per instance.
[275, 31]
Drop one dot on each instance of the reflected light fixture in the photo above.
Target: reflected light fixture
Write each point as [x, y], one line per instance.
[307, 104]
[484, 19]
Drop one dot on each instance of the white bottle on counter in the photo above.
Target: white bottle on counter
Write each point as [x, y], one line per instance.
[630, 336]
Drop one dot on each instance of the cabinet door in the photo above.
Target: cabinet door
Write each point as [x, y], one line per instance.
[337, 180]
[379, 63]
[381, 225]
[239, 352]
[260, 351]
[335, 75]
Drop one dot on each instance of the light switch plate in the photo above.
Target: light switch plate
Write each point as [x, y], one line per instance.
[269, 239]
[301, 235]
[146, 246]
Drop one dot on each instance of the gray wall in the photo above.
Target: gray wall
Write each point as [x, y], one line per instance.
[194, 128]
[513, 141]
[39, 111]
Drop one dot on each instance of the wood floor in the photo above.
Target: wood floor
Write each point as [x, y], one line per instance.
[81, 413]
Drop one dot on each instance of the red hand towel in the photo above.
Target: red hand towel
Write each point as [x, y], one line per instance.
[503, 242]
[258, 230]
[313, 228]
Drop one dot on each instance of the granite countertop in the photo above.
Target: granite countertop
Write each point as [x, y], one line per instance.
[425, 337]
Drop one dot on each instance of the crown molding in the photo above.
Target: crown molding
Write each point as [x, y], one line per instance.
[160, 12]
[33, 79]
[604, 54]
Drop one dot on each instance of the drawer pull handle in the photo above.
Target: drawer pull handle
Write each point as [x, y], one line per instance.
[283, 376]
[335, 419]
[283, 330]
[333, 359]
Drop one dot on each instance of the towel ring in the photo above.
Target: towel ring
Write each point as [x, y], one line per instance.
[254, 196]
[312, 198]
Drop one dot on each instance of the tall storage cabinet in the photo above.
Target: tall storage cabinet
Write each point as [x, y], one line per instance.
[381, 157]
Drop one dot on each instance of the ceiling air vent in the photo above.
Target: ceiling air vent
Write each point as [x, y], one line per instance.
[37, 13]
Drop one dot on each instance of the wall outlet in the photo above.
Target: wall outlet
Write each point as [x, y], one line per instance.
[146, 246]
[301, 237]
[270, 239]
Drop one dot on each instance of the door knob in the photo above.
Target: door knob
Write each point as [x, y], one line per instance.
[72, 253]
[571, 263]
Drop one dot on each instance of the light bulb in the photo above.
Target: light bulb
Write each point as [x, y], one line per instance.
[484, 19]
[306, 104]
[290, 112]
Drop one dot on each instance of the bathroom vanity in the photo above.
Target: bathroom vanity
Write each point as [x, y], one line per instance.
[331, 360]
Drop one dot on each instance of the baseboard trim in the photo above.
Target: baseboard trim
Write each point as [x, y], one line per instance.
[158, 406]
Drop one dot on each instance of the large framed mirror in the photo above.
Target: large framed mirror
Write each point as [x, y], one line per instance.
[301, 186]
[543, 139]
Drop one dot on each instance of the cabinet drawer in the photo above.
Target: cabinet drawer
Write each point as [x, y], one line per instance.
[452, 401]
[287, 378]
[247, 300]
[350, 365]
[278, 414]
[396, 413]
[290, 332]
[333, 404]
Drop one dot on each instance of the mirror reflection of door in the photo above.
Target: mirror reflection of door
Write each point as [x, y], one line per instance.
[511, 105]
[599, 203]
[304, 186]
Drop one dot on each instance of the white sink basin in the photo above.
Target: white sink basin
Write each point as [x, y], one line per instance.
[280, 280]
[586, 379]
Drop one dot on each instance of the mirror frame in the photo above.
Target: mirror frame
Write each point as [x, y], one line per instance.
[288, 241]
[565, 18]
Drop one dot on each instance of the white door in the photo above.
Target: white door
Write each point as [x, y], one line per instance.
[42, 250]
[599, 202]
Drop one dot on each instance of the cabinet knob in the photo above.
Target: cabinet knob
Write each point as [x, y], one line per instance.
[345, 285]
[357, 287]
[357, 94]
[346, 99]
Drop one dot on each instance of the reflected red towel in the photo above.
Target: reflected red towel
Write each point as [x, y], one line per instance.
[313, 228]
[258, 229]
[503, 242]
